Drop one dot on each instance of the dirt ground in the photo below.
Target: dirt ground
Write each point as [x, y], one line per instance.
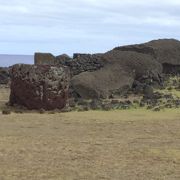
[94, 145]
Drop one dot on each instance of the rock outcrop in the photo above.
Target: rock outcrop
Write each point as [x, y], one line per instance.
[44, 59]
[39, 86]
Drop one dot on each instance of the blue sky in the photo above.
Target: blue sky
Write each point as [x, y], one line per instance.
[87, 26]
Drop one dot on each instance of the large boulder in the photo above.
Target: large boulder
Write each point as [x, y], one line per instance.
[44, 59]
[141, 64]
[164, 51]
[112, 79]
[41, 86]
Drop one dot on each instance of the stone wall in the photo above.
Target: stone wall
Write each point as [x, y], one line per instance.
[84, 63]
[80, 62]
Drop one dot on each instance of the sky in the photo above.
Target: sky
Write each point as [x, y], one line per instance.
[86, 26]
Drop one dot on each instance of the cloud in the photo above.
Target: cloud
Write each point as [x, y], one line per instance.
[84, 25]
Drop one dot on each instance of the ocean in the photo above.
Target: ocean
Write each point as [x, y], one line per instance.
[9, 60]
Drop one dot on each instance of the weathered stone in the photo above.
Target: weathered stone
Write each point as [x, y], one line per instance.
[63, 59]
[112, 79]
[165, 51]
[39, 87]
[44, 59]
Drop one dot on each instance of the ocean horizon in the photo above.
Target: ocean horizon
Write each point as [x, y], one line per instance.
[7, 60]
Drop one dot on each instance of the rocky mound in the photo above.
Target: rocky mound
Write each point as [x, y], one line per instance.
[141, 64]
[165, 51]
[112, 79]
[147, 61]
[121, 69]
[37, 87]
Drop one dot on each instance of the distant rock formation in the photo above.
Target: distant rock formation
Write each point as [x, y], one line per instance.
[41, 86]
[44, 59]
[85, 63]
[62, 59]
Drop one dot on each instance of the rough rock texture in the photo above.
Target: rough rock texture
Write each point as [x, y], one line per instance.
[4, 75]
[134, 66]
[44, 59]
[142, 64]
[171, 69]
[83, 63]
[62, 59]
[121, 69]
[165, 51]
[41, 86]
[112, 79]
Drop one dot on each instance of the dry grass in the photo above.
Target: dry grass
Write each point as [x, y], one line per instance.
[93, 145]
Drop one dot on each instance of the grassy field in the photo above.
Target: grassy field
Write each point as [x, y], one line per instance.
[94, 145]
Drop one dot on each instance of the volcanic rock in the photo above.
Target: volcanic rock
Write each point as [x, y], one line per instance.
[62, 59]
[142, 65]
[39, 86]
[44, 59]
[165, 51]
[112, 79]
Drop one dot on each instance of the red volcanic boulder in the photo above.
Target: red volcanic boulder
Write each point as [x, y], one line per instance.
[41, 86]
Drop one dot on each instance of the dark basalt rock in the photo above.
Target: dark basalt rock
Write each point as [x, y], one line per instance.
[39, 87]
[81, 63]
[164, 51]
[112, 79]
[63, 59]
